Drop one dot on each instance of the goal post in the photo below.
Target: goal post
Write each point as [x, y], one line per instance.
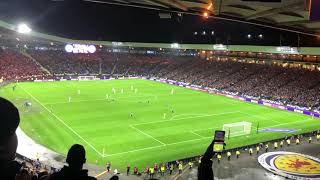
[237, 129]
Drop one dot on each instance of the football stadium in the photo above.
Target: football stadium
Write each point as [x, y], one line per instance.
[237, 100]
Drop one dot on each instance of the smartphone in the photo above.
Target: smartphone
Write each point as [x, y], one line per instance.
[218, 141]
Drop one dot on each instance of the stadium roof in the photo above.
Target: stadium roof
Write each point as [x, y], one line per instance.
[292, 14]
[243, 48]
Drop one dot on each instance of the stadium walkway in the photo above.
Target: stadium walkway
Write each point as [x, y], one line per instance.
[248, 168]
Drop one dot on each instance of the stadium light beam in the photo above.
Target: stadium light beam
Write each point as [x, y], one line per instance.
[24, 29]
[210, 6]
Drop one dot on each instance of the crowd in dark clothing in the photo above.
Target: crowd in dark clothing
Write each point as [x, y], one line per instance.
[14, 65]
[294, 86]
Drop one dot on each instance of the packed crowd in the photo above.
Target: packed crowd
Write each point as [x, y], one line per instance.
[295, 86]
[14, 65]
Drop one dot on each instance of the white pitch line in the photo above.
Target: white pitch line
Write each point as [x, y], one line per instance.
[181, 142]
[196, 134]
[136, 150]
[100, 99]
[296, 122]
[206, 129]
[103, 99]
[154, 147]
[192, 115]
[60, 120]
[147, 135]
[152, 122]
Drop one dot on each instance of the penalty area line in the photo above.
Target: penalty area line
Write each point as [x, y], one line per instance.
[154, 147]
[196, 134]
[192, 117]
[62, 122]
[147, 135]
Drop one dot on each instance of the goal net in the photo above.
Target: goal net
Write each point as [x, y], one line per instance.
[237, 129]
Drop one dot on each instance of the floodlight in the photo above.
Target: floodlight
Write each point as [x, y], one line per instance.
[205, 14]
[175, 45]
[24, 29]
[260, 36]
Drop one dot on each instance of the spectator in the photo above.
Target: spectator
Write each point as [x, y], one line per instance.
[8, 140]
[76, 158]
[128, 169]
[205, 171]
[108, 166]
[114, 177]
[23, 175]
[135, 171]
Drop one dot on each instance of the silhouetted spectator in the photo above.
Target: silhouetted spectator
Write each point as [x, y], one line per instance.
[23, 175]
[76, 158]
[9, 121]
[205, 171]
[114, 177]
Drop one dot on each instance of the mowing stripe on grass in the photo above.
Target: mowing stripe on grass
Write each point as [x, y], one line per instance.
[202, 137]
[261, 117]
[160, 146]
[100, 99]
[113, 96]
[296, 122]
[179, 119]
[62, 122]
[135, 150]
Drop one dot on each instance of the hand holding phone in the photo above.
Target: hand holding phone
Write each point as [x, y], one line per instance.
[218, 141]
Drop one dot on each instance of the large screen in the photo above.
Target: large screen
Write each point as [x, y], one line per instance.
[80, 48]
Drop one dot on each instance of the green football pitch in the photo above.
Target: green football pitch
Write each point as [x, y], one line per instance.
[109, 133]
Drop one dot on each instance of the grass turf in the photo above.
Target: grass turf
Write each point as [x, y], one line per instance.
[108, 132]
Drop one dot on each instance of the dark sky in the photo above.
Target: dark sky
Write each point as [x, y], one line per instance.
[91, 21]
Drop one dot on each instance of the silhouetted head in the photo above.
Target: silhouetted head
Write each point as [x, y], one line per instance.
[76, 156]
[9, 121]
[114, 178]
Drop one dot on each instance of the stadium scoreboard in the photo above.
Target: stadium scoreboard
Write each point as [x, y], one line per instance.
[80, 48]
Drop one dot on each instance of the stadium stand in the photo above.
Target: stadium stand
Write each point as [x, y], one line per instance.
[15, 66]
[288, 85]
[295, 85]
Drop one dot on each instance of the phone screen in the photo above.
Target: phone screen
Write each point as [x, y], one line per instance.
[218, 141]
[218, 147]
[219, 135]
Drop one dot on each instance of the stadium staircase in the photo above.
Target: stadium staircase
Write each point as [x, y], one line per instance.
[36, 62]
[127, 71]
[114, 68]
